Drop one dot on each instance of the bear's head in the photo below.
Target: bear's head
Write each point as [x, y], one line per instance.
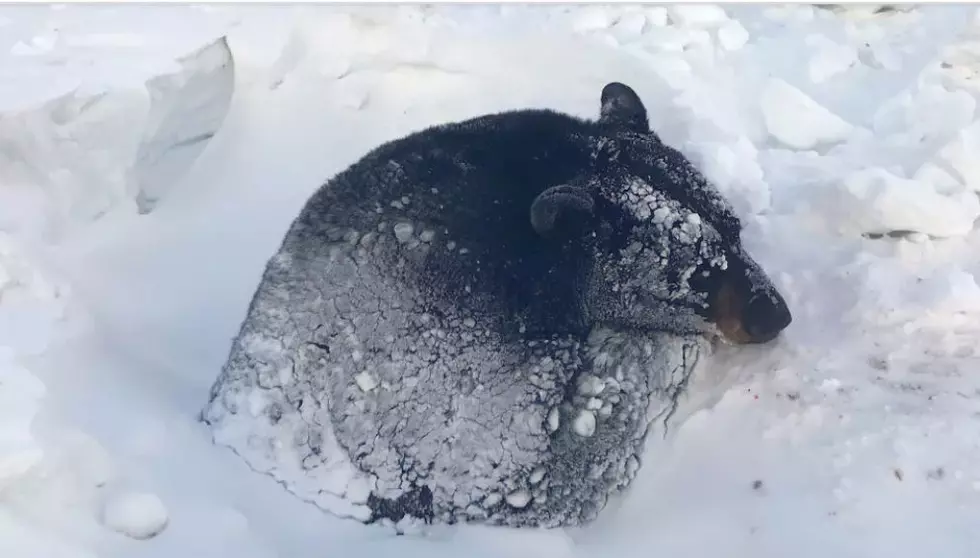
[664, 247]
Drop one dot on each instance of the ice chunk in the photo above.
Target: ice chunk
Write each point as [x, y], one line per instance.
[798, 121]
[734, 166]
[135, 514]
[882, 202]
[960, 155]
[878, 54]
[519, 498]
[939, 179]
[592, 18]
[554, 420]
[584, 424]
[403, 232]
[829, 58]
[591, 385]
[732, 35]
[697, 15]
[657, 15]
[187, 109]
[366, 381]
[933, 111]
[536, 476]
[629, 27]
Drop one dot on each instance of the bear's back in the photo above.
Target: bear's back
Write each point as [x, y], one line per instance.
[464, 190]
[475, 178]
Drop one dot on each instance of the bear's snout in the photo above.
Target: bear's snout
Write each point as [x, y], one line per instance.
[765, 316]
[746, 318]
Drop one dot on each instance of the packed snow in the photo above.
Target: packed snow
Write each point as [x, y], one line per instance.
[135, 514]
[154, 156]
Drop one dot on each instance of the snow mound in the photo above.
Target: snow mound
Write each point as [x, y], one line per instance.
[829, 58]
[90, 141]
[697, 15]
[732, 35]
[959, 155]
[30, 305]
[138, 515]
[84, 135]
[798, 121]
[187, 107]
[883, 203]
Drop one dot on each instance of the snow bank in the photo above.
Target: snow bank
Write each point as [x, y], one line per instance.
[797, 120]
[186, 109]
[93, 119]
[30, 305]
[882, 203]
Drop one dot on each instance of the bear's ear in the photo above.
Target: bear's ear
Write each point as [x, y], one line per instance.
[564, 201]
[621, 107]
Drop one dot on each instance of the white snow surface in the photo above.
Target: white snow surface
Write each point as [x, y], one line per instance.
[126, 266]
[135, 514]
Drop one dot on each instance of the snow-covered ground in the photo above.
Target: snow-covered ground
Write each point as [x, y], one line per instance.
[153, 157]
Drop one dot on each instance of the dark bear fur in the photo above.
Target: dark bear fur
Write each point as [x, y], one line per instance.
[478, 318]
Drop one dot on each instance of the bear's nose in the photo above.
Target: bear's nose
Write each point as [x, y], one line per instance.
[765, 317]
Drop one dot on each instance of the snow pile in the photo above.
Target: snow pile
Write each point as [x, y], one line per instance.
[30, 306]
[829, 57]
[136, 514]
[797, 120]
[846, 145]
[94, 117]
[883, 203]
[186, 109]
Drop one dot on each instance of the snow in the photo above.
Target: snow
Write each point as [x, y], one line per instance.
[829, 57]
[697, 15]
[732, 35]
[19, 402]
[795, 119]
[584, 424]
[518, 498]
[884, 202]
[591, 385]
[554, 420]
[128, 257]
[366, 381]
[135, 514]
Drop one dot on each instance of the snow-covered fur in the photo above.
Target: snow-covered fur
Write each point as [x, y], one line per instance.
[482, 318]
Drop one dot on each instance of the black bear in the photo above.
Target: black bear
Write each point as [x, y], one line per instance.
[473, 322]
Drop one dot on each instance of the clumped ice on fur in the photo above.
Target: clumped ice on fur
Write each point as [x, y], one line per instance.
[497, 425]
[417, 348]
